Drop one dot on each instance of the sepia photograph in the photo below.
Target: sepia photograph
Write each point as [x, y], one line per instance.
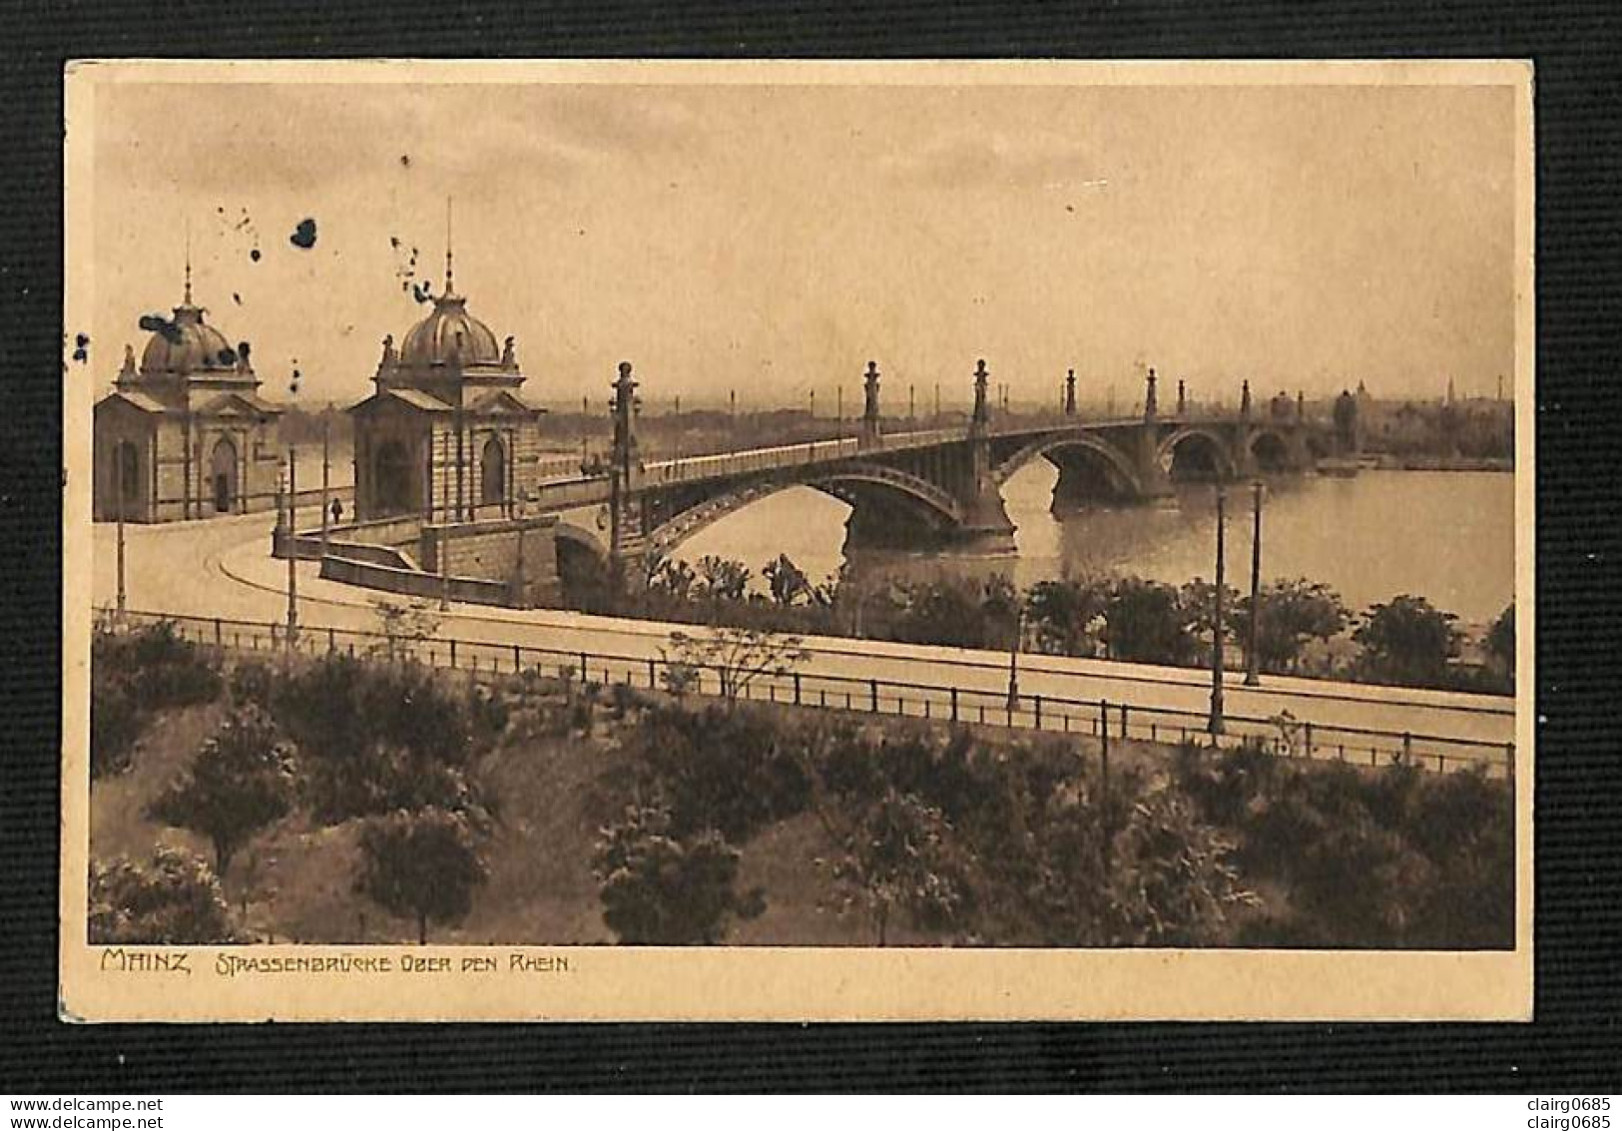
[796, 540]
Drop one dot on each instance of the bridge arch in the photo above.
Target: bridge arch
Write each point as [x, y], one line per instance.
[859, 485]
[1269, 451]
[1100, 455]
[1195, 453]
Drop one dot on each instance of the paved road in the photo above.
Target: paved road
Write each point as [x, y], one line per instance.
[222, 568]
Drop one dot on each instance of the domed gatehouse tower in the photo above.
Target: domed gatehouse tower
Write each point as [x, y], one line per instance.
[447, 435]
[184, 434]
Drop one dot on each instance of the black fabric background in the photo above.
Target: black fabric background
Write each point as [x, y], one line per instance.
[1574, 1044]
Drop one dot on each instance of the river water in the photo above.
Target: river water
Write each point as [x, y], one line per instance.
[1445, 536]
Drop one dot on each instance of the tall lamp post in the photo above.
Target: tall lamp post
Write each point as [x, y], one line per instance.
[1214, 724]
[292, 547]
[1013, 664]
[118, 490]
[1251, 676]
[326, 481]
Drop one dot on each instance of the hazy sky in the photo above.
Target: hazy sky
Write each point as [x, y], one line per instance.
[774, 238]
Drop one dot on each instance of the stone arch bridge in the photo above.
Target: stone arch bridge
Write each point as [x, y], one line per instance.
[933, 489]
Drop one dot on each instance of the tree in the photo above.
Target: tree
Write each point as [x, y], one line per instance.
[1290, 614]
[787, 582]
[1198, 598]
[738, 656]
[242, 779]
[899, 854]
[174, 900]
[404, 625]
[1147, 621]
[1068, 616]
[1501, 642]
[721, 580]
[1407, 641]
[377, 737]
[659, 889]
[941, 612]
[423, 864]
[674, 578]
[116, 724]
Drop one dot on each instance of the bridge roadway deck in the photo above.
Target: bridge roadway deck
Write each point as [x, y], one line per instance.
[584, 491]
[222, 568]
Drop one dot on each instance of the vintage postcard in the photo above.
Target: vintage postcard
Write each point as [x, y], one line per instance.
[782, 540]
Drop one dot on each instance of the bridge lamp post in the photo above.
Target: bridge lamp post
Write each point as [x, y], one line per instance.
[1252, 678]
[1214, 725]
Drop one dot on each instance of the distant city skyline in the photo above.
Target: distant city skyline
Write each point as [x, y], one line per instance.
[772, 239]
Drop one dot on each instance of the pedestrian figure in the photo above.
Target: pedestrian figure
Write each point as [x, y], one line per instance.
[337, 511]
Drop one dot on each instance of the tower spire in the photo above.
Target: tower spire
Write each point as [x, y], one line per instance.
[187, 299]
[449, 288]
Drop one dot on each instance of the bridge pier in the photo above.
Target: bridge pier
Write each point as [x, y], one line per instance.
[1154, 481]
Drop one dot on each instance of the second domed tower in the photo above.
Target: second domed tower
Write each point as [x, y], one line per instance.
[447, 434]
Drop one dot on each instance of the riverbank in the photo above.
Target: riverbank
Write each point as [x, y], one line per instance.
[644, 817]
[1446, 463]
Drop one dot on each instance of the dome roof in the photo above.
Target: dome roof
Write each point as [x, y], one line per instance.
[450, 331]
[185, 344]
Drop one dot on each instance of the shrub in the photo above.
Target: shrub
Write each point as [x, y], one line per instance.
[731, 771]
[132, 674]
[173, 900]
[252, 682]
[423, 864]
[376, 738]
[662, 888]
[117, 722]
[899, 854]
[242, 779]
[162, 668]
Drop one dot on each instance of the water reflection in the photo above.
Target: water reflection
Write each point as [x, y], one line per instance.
[1448, 536]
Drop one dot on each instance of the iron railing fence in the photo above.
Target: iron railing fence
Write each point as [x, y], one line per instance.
[1281, 735]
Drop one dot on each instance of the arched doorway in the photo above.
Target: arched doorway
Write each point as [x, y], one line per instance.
[493, 472]
[127, 479]
[391, 479]
[222, 475]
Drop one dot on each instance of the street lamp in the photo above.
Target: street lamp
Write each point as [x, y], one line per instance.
[291, 546]
[118, 494]
[1013, 664]
[326, 480]
[1214, 724]
[1252, 679]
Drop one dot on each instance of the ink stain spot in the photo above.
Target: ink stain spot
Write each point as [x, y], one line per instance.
[304, 235]
[394, 242]
[81, 347]
[405, 160]
[236, 298]
[158, 324]
[254, 255]
[422, 292]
